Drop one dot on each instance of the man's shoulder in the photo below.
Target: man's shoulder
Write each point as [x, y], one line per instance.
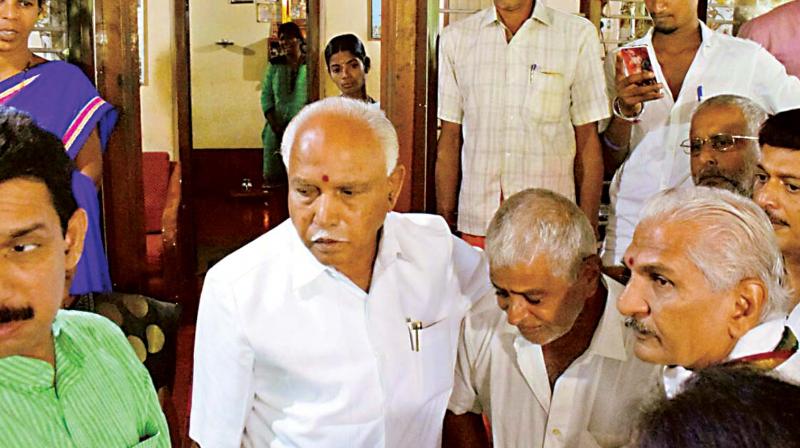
[571, 21]
[424, 224]
[737, 45]
[467, 25]
[90, 327]
[264, 252]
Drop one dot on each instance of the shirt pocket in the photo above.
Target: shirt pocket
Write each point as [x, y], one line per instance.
[546, 95]
[436, 358]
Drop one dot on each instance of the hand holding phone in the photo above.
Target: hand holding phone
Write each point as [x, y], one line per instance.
[637, 60]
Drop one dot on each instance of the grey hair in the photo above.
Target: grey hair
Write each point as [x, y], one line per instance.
[734, 240]
[537, 222]
[754, 114]
[373, 120]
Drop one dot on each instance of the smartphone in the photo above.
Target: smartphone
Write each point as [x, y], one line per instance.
[636, 60]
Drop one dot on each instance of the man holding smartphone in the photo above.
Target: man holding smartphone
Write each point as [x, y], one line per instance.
[690, 62]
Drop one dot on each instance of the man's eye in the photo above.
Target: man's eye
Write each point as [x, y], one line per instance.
[659, 280]
[761, 178]
[792, 188]
[20, 248]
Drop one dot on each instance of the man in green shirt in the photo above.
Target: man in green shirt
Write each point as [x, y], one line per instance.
[67, 379]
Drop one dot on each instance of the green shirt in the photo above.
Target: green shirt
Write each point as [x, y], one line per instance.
[286, 92]
[100, 394]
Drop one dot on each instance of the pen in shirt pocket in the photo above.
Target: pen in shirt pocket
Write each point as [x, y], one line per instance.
[533, 70]
[700, 93]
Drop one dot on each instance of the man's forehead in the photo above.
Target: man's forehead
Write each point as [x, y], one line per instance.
[781, 161]
[659, 243]
[25, 203]
[333, 140]
[719, 117]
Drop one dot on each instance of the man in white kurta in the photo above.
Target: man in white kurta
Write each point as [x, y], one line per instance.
[549, 362]
[295, 345]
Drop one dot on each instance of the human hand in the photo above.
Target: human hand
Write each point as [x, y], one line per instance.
[635, 89]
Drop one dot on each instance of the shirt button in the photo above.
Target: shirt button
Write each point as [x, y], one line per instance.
[556, 432]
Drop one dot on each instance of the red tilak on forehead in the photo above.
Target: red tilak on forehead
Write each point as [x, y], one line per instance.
[630, 262]
[325, 178]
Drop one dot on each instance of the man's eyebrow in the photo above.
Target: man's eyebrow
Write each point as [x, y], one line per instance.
[533, 291]
[655, 268]
[26, 230]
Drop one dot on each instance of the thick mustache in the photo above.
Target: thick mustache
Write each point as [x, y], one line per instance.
[775, 220]
[638, 326]
[12, 314]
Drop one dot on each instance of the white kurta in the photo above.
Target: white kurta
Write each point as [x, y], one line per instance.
[290, 352]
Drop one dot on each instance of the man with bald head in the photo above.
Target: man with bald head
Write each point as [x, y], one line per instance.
[338, 327]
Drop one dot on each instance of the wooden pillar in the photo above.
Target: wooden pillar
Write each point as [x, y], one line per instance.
[407, 67]
[117, 76]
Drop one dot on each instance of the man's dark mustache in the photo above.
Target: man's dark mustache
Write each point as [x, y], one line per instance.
[775, 220]
[638, 326]
[13, 314]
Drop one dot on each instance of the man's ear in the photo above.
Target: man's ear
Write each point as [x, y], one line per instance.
[74, 238]
[750, 295]
[396, 184]
[589, 274]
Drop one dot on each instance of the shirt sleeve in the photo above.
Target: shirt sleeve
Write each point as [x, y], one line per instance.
[611, 86]
[589, 101]
[155, 421]
[267, 95]
[777, 90]
[222, 390]
[472, 270]
[464, 397]
[451, 106]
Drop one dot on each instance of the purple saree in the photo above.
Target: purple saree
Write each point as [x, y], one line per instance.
[60, 98]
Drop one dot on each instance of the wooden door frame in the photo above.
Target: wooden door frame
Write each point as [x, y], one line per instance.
[409, 65]
[117, 79]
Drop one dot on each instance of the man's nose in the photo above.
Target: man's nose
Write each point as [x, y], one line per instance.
[707, 156]
[632, 300]
[516, 311]
[764, 195]
[327, 213]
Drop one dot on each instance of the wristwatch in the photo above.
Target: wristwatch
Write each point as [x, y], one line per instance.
[615, 108]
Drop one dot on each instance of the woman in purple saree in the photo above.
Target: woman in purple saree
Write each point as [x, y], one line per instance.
[62, 100]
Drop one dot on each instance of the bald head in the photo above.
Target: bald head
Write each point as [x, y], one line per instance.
[341, 118]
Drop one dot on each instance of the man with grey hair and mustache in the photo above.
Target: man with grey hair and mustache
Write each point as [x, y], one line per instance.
[707, 286]
[338, 327]
[723, 143]
[549, 363]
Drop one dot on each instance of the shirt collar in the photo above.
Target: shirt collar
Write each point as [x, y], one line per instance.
[307, 269]
[32, 374]
[760, 339]
[707, 34]
[609, 338]
[540, 12]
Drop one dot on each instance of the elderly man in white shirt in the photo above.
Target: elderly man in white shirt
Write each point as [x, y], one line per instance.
[690, 62]
[707, 287]
[550, 363]
[523, 84]
[339, 327]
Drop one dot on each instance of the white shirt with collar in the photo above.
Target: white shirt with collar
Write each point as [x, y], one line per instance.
[594, 402]
[723, 65]
[289, 352]
[517, 103]
[762, 338]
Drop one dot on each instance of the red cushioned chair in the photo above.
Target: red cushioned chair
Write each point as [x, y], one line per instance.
[162, 203]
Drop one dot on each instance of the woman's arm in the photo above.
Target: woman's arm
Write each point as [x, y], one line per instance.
[90, 159]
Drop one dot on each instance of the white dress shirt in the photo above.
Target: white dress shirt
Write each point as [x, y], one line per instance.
[593, 403]
[762, 338]
[517, 103]
[723, 65]
[290, 352]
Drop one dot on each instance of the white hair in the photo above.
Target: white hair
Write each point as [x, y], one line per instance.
[538, 222]
[734, 240]
[373, 119]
